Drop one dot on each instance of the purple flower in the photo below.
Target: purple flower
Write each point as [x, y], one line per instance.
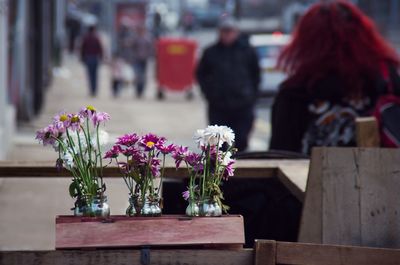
[75, 121]
[128, 139]
[124, 167]
[88, 112]
[47, 135]
[155, 167]
[229, 170]
[61, 121]
[186, 195]
[100, 117]
[139, 158]
[179, 155]
[59, 164]
[130, 151]
[192, 158]
[113, 152]
[166, 149]
[150, 141]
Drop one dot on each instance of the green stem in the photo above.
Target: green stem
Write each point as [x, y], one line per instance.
[162, 176]
[100, 156]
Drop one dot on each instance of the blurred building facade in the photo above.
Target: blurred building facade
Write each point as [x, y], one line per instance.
[31, 38]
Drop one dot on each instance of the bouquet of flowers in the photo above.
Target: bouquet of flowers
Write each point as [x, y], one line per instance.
[141, 160]
[78, 139]
[207, 170]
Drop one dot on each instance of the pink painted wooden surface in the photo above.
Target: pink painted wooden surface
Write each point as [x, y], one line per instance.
[121, 231]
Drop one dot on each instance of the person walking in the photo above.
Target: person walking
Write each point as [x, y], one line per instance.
[229, 76]
[142, 50]
[338, 67]
[91, 55]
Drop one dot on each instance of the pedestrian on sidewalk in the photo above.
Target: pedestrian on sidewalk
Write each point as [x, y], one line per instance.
[142, 50]
[91, 56]
[229, 76]
[117, 73]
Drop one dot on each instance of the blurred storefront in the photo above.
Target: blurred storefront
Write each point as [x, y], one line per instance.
[31, 39]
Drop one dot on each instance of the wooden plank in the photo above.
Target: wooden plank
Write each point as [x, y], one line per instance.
[312, 254]
[360, 198]
[244, 168]
[264, 252]
[367, 132]
[294, 177]
[75, 232]
[292, 173]
[311, 219]
[128, 257]
[380, 197]
[341, 197]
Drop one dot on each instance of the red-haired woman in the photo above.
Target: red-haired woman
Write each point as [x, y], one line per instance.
[336, 64]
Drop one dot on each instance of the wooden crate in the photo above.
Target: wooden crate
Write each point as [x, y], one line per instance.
[166, 231]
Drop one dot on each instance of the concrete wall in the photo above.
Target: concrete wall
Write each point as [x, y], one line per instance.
[7, 113]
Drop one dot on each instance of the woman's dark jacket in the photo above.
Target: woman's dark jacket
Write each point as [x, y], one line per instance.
[291, 117]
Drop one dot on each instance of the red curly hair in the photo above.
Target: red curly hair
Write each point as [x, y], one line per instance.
[335, 37]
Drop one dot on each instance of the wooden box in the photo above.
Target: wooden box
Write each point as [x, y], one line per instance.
[166, 231]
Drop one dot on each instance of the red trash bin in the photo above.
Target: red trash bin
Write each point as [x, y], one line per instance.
[176, 63]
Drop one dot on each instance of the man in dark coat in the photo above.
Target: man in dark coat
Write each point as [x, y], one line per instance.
[229, 75]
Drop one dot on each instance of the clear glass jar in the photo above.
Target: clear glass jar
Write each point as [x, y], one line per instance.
[97, 207]
[133, 205]
[209, 207]
[193, 209]
[151, 208]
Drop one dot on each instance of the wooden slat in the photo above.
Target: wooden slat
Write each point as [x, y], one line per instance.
[359, 197]
[127, 257]
[311, 219]
[312, 254]
[264, 252]
[341, 197]
[380, 197]
[367, 132]
[75, 232]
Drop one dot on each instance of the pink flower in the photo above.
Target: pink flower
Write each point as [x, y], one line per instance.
[75, 121]
[139, 159]
[47, 135]
[88, 112]
[61, 121]
[186, 195]
[124, 167]
[130, 151]
[229, 170]
[100, 117]
[113, 152]
[155, 167]
[128, 139]
[179, 155]
[166, 149]
[150, 141]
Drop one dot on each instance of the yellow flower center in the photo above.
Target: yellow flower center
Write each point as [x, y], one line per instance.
[63, 117]
[75, 119]
[150, 144]
[91, 108]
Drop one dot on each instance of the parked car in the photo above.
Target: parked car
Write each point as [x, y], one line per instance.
[268, 47]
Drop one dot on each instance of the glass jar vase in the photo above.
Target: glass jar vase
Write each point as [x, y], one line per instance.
[151, 208]
[210, 208]
[193, 209]
[97, 207]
